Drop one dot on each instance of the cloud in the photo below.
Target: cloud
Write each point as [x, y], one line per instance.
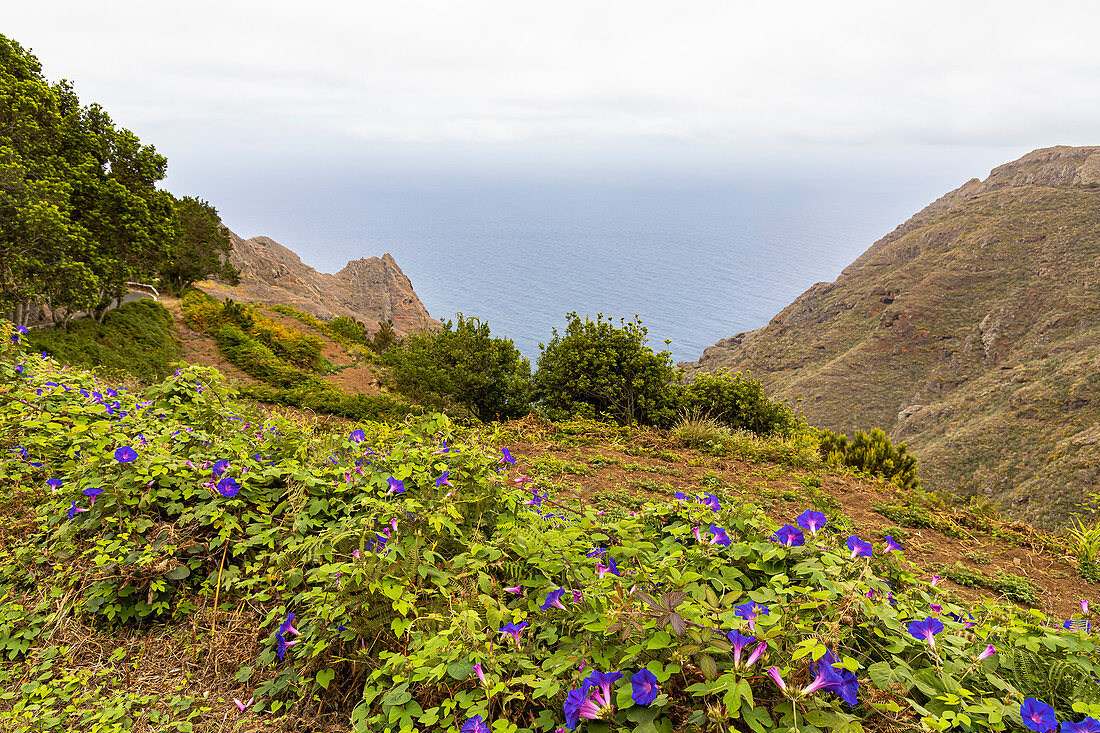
[517, 70]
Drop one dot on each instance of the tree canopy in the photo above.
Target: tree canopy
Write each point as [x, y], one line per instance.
[80, 213]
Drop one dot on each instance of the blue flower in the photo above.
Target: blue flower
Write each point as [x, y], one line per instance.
[739, 641]
[789, 536]
[444, 479]
[513, 630]
[926, 630]
[643, 684]
[220, 466]
[710, 500]
[1088, 725]
[475, 725]
[228, 487]
[357, 436]
[892, 545]
[125, 454]
[1038, 716]
[396, 486]
[595, 552]
[811, 520]
[859, 548]
[93, 492]
[54, 483]
[1077, 624]
[506, 457]
[577, 706]
[750, 611]
[553, 599]
[603, 680]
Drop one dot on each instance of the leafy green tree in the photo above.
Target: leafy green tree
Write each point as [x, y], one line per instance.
[201, 249]
[80, 213]
[462, 365]
[598, 369]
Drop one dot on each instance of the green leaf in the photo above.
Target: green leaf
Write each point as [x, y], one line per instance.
[324, 677]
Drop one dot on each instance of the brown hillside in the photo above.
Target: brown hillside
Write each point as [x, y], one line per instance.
[972, 332]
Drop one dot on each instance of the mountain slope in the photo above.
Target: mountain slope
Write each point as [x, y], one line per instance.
[972, 332]
[369, 290]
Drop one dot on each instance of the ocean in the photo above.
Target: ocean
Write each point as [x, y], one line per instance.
[696, 260]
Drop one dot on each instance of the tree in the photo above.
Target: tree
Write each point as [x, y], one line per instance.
[462, 365]
[201, 249]
[80, 213]
[596, 369]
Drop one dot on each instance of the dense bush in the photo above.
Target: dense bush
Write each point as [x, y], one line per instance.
[596, 369]
[255, 359]
[323, 398]
[408, 580]
[871, 453]
[135, 338]
[462, 365]
[737, 401]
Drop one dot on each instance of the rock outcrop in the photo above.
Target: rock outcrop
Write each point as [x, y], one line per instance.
[370, 290]
[972, 332]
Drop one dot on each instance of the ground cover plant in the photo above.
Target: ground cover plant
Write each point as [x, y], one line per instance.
[408, 577]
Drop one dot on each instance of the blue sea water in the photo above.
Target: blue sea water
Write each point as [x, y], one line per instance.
[696, 260]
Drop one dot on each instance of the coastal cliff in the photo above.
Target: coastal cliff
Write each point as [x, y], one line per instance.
[370, 289]
[971, 332]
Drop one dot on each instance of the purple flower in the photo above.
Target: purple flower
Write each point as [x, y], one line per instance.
[812, 521]
[680, 495]
[789, 536]
[1077, 624]
[1084, 605]
[228, 487]
[935, 580]
[859, 548]
[610, 568]
[74, 510]
[990, 650]
[444, 480]
[1038, 716]
[926, 630]
[1088, 725]
[936, 608]
[220, 467]
[553, 598]
[596, 552]
[93, 492]
[506, 457]
[750, 611]
[517, 590]
[847, 686]
[739, 641]
[357, 436]
[603, 680]
[536, 499]
[513, 630]
[396, 486]
[479, 672]
[892, 546]
[773, 672]
[643, 684]
[719, 536]
[577, 706]
[54, 483]
[475, 725]
[125, 454]
[827, 677]
[710, 500]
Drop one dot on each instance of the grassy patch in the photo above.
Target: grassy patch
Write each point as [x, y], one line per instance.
[135, 339]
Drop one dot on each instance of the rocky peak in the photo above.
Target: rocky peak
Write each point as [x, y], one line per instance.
[368, 289]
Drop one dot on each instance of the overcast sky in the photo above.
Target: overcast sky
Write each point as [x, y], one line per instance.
[560, 80]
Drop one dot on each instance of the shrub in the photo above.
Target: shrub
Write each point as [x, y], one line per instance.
[871, 453]
[596, 369]
[255, 359]
[696, 430]
[135, 338]
[463, 365]
[738, 401]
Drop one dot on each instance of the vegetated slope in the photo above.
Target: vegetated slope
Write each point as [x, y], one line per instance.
[972, 332]
[369, 290]
[348, 578]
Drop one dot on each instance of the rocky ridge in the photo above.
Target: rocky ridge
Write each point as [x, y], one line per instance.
[972, 332]
[370, 289]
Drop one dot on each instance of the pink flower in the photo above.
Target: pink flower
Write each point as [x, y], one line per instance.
[935, 580]
[990, 650]
[773, 672]
[1084, 606]
[515, 589]
[479, 672]
[242, 706]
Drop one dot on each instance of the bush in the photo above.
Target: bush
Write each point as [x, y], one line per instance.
[255, 359]
[135, 338]
[462, 365]
[596, 369]
[321, 397]
[871, 453]
[737, 401]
